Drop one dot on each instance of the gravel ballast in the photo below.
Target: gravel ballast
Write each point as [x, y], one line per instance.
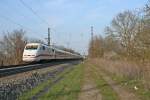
[14, 86]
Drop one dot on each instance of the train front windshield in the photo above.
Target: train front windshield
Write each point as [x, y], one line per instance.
[31, 47]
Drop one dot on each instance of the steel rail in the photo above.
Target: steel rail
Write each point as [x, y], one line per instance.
[20, 69]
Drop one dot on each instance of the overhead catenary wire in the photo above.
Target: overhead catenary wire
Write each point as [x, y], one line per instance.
[10, 20]
[31, 10]
[17, 12]
[38, 16]
[16, 23]
[34, 12]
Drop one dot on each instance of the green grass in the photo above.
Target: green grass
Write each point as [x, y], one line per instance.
[141, 92]
[29, 94]
[105, 89]
[68, 88]
[129, 84]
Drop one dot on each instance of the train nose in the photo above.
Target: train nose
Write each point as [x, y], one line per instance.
[29, 57]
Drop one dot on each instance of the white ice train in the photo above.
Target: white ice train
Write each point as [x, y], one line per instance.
[38, 52]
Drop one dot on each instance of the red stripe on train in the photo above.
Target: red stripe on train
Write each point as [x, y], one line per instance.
[38, 56]
[43, 55]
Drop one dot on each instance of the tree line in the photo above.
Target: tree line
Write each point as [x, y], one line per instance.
[12, 45]
[128, 36]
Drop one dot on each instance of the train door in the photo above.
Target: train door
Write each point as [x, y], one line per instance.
[54, 53]
[44, 53]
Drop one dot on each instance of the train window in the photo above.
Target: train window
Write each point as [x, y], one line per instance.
[43, 48]
[53, 50]
[31, 47]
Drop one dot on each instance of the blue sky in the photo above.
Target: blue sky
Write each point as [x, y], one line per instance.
[70, 20]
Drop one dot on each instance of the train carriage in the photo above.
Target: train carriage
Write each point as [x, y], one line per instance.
[37, 52]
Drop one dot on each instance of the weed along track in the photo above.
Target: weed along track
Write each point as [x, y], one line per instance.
[50, 83]
[32, 84]
[66, 89]
[42, 88]
[20, 84]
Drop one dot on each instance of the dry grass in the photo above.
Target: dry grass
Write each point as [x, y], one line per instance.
[127, 69]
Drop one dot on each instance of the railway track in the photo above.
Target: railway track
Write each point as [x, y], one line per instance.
[18, 84]
[24, 68]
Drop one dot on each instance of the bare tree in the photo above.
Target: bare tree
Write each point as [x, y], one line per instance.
[124, 28]
[12, 46]
[96, 47]
[143, 36]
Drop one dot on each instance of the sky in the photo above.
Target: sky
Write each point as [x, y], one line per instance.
[69, 20]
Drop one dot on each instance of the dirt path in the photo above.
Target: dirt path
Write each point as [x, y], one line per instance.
[122, 92]
[89, 91]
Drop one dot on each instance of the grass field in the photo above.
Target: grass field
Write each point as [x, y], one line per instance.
[29, 94]
[122, 73]
[105, 89]
[142, 93]
[110, 86]
[68, 88]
